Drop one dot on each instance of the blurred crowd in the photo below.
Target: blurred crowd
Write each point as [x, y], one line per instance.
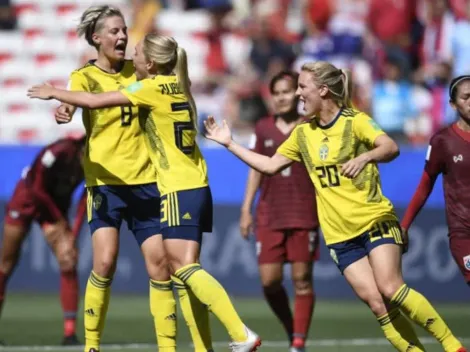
[402, 54]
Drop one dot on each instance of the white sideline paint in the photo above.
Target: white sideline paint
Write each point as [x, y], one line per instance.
[266, 344]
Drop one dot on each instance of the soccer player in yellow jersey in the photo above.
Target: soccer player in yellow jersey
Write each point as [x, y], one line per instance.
[341, 147]
[121, 183]
[168, 117]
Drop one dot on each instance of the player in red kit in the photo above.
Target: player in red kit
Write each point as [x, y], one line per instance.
[449, 154]
[286, 222]
[44, 194]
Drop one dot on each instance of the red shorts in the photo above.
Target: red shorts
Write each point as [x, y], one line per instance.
[22, 209]
[281, 246]
[460, 249]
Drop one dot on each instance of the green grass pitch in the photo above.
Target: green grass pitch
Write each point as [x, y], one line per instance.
[33, 323]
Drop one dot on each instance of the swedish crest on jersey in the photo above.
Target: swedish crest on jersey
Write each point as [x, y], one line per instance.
[323, 152]
[97, 201]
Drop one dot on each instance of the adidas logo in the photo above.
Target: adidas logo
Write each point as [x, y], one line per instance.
[325, 140]
[171, 317]
[187, 216]
[90, 312]
[429, 322]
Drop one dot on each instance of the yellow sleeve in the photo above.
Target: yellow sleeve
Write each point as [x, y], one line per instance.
[366, 129]
[290, 148]
[141, 93]
[78, 82]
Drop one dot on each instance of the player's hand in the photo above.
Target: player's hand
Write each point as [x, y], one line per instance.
[246, 224]
[219, 134]
[353, 167]
[43, 91]
[63, 114]
[405, 239]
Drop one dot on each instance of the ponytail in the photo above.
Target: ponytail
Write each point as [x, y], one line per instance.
[347, 89]
[181, 69]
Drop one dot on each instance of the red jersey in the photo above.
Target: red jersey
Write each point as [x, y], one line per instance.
[54, 174]
[449, 154]
[287, 200]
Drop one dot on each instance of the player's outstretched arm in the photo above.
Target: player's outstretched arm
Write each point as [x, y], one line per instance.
[81, 99]
[261, 163]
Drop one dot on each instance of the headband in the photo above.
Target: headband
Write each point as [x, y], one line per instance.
[455, 82]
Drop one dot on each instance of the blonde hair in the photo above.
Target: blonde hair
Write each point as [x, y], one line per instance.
[338, 81]
[169, 57]
[92, 21]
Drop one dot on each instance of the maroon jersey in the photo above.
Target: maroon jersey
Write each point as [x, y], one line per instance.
[449, 154]
[287, 200]
[54, 174]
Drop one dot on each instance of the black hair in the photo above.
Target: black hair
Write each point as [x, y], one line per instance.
[290, 75]
[454, 84]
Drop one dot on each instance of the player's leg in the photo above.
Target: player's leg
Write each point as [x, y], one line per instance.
[351, 258]
[104, 217]
[63, 244]
[185, 215]
[13, 237]
[302, 251]
[271, 251]
[385, 259]
[17, 222]
[460, 248]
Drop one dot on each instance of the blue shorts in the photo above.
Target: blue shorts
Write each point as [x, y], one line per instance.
[138, 205]
[350, 251]
[186, 214]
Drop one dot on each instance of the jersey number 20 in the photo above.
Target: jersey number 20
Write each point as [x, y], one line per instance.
[328, 175]
[180, 127]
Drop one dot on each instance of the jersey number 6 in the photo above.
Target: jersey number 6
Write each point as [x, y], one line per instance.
[180, 127]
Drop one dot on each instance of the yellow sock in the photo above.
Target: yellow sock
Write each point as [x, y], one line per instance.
[418, 309]
[196, 315]
[209, 291]
[399, 332]
[97, 295]
[163, 309]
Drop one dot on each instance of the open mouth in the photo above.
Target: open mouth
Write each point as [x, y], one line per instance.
[120, 47]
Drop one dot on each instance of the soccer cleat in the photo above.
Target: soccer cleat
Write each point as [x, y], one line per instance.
[462, 349]
[70, 340]
[296, 349]
[251, 344]
[93, 350]
[298, 345]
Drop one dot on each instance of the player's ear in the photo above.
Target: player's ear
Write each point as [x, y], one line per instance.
[96, 38]
[323, 91]
[151, 66]
[452, 104]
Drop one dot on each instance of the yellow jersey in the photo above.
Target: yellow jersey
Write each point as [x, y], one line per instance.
[115, 151]
[346, 207]
[170, 133]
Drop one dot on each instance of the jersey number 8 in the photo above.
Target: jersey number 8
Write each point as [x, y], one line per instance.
[180, 127]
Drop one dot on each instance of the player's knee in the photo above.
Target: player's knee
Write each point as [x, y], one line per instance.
[159, 269]
[302, 282]
[105, 266]
[67, 260]
[376, 305]
[271, 284]
[388, 289]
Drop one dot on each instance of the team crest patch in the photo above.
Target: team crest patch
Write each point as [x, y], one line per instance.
[134, 87]
[97, 200]
[323, 152]
[466, 262]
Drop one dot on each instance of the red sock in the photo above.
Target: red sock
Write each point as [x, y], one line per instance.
[69, 300]
[279, 303]
[3, 288]
[302, 317]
